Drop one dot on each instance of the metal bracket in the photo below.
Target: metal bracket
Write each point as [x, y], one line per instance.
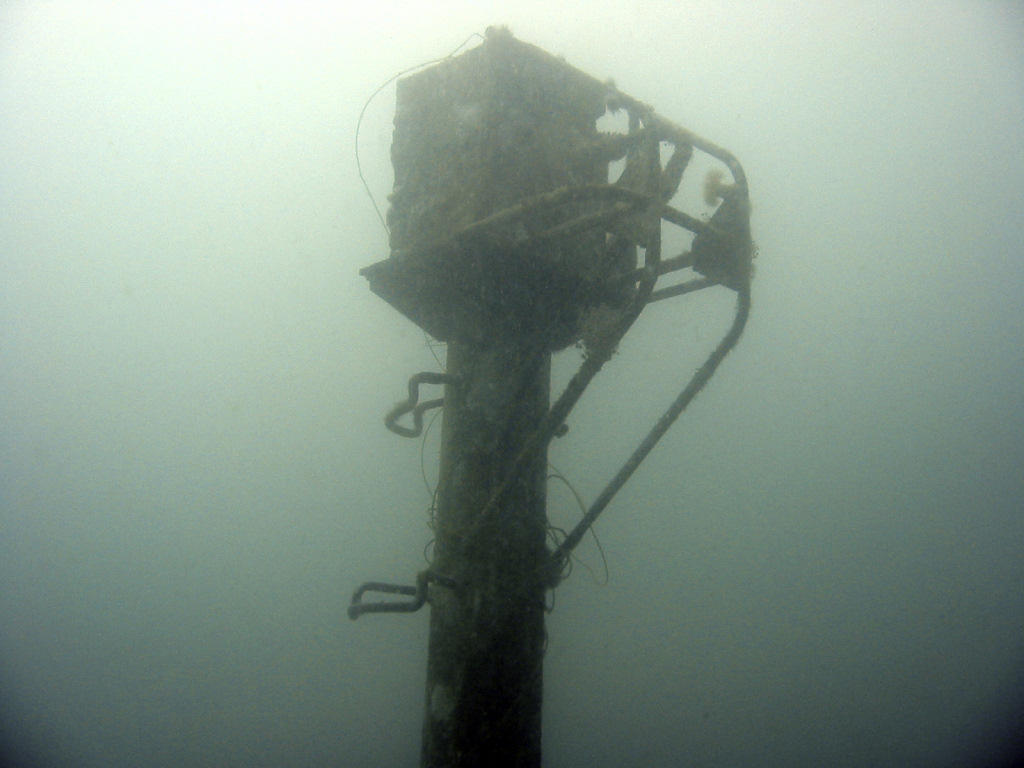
[418, 594]
[410, 404]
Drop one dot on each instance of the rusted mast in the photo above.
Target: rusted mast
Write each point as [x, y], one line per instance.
[485, 658]
[475, 135]
[508, 243]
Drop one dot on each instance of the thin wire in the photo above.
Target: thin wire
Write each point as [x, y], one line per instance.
[362, 112]
[432, 343]
[556, 475]
[432, 492]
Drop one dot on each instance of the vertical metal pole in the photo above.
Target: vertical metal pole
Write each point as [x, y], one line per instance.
[485, 658]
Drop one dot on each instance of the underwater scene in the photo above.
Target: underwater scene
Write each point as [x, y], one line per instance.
[563, 384]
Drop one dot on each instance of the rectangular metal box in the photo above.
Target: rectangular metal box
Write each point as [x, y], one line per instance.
[474, 135]
[481, 131]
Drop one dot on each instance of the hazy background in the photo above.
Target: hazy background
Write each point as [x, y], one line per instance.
[821, 565]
